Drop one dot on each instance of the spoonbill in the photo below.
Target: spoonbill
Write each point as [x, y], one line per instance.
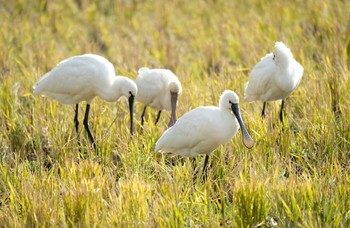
[205, 128]
[159, 89]
[275, 77]
[81, 78]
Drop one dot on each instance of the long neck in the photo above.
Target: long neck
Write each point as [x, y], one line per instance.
[112, 91]
[284, 63]
[284, 59]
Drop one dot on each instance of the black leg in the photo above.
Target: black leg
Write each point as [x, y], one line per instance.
[205, 168]
[194, 168]
[86, 125]
[194, 163]
[281, 112]
[158, 116]
[143, 115]
[76, 121]
[263, 110]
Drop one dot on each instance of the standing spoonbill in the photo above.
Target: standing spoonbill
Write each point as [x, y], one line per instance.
[205, 128]
[83, 77]
[160, 89]
[275, 77]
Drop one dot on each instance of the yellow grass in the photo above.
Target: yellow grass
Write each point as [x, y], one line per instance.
[297, 177]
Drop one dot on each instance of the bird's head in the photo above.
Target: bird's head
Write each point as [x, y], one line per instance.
[175, 90]
[129, 88]
[282, 54]
[230, 100]
[175, 87]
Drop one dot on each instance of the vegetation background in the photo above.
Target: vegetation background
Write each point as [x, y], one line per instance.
[293, 178]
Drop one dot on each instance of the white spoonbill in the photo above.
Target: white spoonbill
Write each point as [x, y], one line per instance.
[205, 128]
[159, 89]
[81, 78]
[275, 77]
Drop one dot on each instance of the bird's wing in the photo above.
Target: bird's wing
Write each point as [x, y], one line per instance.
[260, 77]
[290, 80]
[149, 82]
[49, 73]
[152, 75]
[150, 85]
[299, 71]
[68, 77]
[189, 132]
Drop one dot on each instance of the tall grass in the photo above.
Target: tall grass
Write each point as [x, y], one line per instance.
[293, 178]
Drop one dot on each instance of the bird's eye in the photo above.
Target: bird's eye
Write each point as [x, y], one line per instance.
[230, 102]
[130, 92]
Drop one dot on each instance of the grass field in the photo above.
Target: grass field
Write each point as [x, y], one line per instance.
[299, 177]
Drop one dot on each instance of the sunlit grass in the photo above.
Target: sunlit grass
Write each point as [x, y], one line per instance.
[296, 177]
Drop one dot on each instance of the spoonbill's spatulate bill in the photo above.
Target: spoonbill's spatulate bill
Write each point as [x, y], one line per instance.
[159, 89]
[275, 77]
[205, 128]
[81, 78]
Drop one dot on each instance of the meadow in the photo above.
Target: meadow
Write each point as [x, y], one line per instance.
[295, 177]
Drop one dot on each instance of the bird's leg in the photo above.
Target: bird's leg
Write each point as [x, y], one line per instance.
[158, 116]
[143, 115]
[263, 110]
[86, 125]
[131, 110]
[205, 168]
[194, 168]
[76, 121]
[281, 111]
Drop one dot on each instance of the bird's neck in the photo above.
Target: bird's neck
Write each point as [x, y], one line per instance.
[284, 62]
[112, 92]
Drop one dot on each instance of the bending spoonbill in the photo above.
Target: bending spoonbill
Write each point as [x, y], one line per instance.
[203, 129]
[81, 78]
[275, 77]
[160, 89]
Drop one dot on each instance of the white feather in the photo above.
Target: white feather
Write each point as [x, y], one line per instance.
[154, 87]
[81, 78]
[201, 130]
[274, 77]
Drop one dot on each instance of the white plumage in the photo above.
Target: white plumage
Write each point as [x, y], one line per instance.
[159, 89]
[81, 78]
[275, 77]
[203, 129]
